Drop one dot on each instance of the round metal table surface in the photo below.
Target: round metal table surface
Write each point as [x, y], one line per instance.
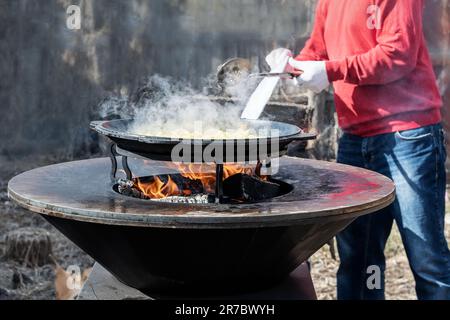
[82, 191]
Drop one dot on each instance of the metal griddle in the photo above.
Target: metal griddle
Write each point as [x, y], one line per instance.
[160, 148]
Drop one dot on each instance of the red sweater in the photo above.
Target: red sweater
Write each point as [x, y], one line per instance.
[378, 62]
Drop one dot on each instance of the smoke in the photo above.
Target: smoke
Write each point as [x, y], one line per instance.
[164, 107]
[115, 107]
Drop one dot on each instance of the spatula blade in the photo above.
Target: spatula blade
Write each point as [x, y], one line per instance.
[259, 99]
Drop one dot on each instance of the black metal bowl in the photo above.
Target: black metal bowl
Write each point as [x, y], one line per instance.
[164, 262]
[228, 150]
[191, 249]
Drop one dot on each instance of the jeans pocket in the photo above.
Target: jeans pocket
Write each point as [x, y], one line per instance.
[443, 136]
[444, 142]
[414, 135]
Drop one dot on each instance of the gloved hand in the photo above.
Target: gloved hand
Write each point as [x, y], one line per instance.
[314, 76]
[279, 57]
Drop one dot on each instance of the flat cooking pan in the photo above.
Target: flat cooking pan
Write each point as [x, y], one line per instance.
[227, 150]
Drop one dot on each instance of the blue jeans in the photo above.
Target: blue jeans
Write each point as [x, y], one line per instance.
[415, 161]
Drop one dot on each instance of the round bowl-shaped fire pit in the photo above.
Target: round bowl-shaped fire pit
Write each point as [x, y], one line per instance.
[180, 249]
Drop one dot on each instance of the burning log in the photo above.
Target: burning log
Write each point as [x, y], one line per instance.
[128, 188]
[162, 186]
[188, 190]
[184, 184]
[249, 188]
[30, 246]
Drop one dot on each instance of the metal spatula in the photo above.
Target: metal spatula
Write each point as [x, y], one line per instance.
[261, 96]
[270, 75]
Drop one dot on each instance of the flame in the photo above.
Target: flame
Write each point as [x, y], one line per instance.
[206, 174]
[157, 189]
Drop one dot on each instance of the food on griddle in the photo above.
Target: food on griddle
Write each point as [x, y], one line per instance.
[200, 130]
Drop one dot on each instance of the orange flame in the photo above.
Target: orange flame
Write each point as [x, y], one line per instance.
[157, 189]
[206, 174]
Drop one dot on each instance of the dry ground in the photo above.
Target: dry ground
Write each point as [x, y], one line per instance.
[38, 283]
[16, 280]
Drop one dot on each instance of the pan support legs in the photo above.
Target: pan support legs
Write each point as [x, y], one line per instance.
[113, 157]
[266, 164]
[219, 197]
[219, 183]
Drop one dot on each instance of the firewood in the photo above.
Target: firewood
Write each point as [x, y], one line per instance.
[249, 188]
[183, 183]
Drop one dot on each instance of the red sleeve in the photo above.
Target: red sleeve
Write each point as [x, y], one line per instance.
[396, 53]
[315, 49]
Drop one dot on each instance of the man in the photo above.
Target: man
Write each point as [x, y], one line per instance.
[388, 105]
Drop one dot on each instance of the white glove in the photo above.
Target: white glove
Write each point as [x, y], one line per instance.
[314, 76]
[279, 57]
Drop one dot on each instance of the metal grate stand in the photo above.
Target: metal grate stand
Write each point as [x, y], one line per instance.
[219, 183]
[113, 154]
[218, 197]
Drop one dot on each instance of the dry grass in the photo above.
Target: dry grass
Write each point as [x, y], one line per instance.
[399, 279]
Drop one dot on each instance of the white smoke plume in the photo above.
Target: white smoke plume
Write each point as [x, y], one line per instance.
[167, 108]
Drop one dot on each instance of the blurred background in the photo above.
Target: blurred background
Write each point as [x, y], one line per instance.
[53, 78]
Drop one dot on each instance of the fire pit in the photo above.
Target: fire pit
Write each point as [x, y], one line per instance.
[207, 248]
